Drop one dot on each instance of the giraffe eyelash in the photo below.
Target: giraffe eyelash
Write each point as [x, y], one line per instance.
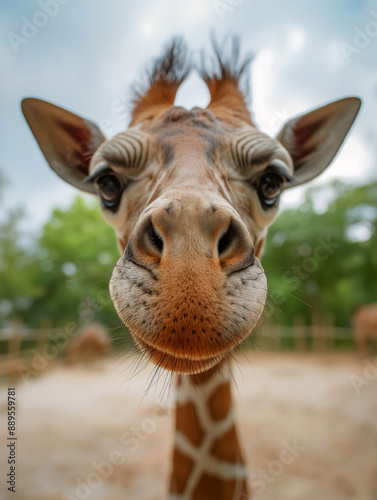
[90, 179]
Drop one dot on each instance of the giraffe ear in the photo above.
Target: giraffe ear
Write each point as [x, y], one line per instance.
[314, 139]
[66, 140]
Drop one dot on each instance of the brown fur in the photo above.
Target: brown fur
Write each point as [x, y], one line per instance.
[209, 487]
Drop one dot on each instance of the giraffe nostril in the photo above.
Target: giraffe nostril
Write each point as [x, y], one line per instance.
[155, 239]
[234, 247]
[226, 240]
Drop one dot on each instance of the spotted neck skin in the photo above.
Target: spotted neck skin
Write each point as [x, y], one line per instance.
[207, 460]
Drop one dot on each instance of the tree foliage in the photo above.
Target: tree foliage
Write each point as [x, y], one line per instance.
[324, 263]
[66, 274]
[77, 252]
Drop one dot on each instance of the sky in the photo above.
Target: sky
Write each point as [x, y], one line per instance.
[84, 54]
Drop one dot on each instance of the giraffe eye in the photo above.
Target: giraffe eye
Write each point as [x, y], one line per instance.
[269, 188]
[110, 190]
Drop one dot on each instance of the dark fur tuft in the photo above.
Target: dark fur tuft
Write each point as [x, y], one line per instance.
[171, 68]
[166, 73]
[227, 64]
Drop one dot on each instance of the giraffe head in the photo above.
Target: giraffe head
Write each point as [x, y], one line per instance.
[190, 194]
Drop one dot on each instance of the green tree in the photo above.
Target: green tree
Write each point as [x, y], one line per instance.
[324, 262]
[77, 252]
[18, 267]
[64, 274]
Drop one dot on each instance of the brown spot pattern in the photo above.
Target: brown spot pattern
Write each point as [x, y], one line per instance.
[219, 402]
[187, 422]
[213, 488]
[226, 447]
[182, 469]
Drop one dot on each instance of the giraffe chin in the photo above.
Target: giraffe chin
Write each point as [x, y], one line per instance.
[180, 364]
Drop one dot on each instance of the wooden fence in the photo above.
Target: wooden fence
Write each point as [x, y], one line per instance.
[320, 336]
[16, 343]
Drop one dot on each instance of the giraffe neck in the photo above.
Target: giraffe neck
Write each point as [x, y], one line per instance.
[207, 460]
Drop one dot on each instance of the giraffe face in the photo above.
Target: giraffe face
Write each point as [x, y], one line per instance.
[190, 194]
[190, 199]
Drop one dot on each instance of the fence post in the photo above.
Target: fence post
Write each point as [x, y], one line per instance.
[43, 333]
[299, 334]
[275, 338]
[318, 333]
[14, 345]
[330, 333]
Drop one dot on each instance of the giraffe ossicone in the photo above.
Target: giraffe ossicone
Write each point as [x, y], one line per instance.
[190, 195]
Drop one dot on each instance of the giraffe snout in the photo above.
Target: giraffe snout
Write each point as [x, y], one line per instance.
[189, 286]
[186, 232]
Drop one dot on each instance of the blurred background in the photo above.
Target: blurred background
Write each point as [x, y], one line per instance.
[56, 253]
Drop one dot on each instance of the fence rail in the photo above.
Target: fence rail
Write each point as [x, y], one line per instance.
[301, 337]
[318, 336]
[22, 347]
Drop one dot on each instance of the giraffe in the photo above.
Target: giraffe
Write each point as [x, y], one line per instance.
[92, 342]
[190, 194]
[365, 324]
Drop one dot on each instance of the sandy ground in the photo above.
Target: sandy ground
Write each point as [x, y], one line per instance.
[76, 421]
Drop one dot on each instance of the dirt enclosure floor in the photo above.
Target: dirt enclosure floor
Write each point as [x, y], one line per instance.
[83, 433]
